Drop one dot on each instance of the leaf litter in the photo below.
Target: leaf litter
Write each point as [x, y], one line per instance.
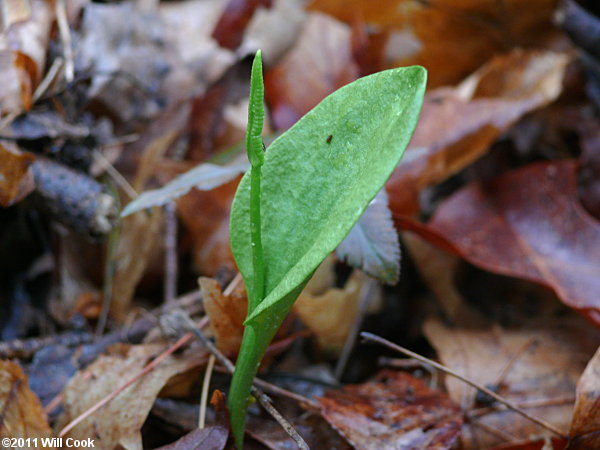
[499, 178]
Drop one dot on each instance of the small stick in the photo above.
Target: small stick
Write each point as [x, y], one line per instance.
[65, 37]
[372, 337]
[171, 269]
[149, 367]
[48, 79]
[205, 387]
[262, 398]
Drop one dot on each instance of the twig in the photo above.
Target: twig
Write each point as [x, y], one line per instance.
[205, 388]
[171, 269]
[65, 37]
[49, 78]
[234, 283]
[149, 367]
[119, 179]
[372, 337]
[262, 398]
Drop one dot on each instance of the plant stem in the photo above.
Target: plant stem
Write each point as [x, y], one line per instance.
[255, 232]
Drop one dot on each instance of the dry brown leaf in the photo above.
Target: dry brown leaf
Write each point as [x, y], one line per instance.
[449, 37]
[550, 355]
[119, 422]
[458, 125]
[394, 410]
[318, 64]
[21, 413]
[226, 312]
[16, 178]
[327, 311]
[25, 32]
[585, 425]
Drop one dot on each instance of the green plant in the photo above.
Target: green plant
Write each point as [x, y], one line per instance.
[302, 197]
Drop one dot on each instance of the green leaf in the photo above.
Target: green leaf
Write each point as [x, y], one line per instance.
[372, 245]
[317, 180]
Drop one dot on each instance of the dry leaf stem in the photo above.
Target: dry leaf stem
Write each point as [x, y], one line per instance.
[548, 426]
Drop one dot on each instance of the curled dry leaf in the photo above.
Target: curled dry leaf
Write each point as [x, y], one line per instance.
[528, 224]
[414, 29]
[318, 64]
[16, 177]
[21, 413]
[586, 417]
[458, 125]
[226, 312]
[548, 356]
[393, 410]
[327, 311]
[119, 422]
[25, 32]
[231, 26]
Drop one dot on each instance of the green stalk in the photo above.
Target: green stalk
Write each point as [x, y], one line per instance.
[246, 367]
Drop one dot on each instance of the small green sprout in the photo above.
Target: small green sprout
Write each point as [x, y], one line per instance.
[304, 194]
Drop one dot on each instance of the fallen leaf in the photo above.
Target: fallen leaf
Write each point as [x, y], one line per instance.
[315, 431]
[204, 177]
[21, 413]
[16, 177]
[415, 29]
[25, 32]
[226, 312]
[213, 437]
[546, 357]
[529, 224]
[458, 125]
[535, 444]
[120, 421]
[327, 311]
[230, 28]
[319, 63]
[393, 410]
[586, 420]
[372, 245]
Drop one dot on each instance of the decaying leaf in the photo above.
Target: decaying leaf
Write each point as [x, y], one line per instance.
[544, 358]
[204, 177]
[372, 245]
[16, 178]
[318, 64]
[226, 313]
[21, 413]
[450, 38]
[213, 437]
[393, 410]
[585, 426]
[25, 32]
[459, 124]
[327, 311]
[529, 224]
[120, 421]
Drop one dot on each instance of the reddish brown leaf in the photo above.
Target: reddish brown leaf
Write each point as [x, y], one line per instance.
[21, 413]
[320, 63]
[535, 444]
[585, 427]
[229, 31]
[529, 224]
[16, 178]
[394, 410]
[440, 35]
[458, 125]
